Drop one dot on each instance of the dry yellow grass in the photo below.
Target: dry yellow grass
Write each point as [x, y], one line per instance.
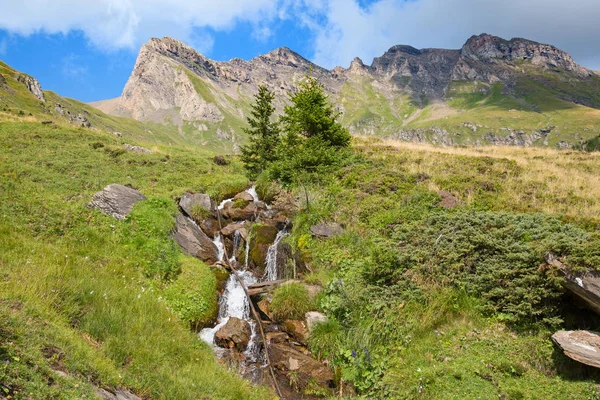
[557, 182]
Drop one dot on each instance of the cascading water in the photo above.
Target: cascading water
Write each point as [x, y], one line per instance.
[271, 272]
[234, 302]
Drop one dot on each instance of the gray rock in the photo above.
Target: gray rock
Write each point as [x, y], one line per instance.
[32, 85]
[585, 285]
[244, 196]
[326, 230]
[190, 201]
[581, 346]
[194, 242]
[235, 334]
[119, 394]
[116, 200]
[313, 318]
[137, 149]
[286, 358]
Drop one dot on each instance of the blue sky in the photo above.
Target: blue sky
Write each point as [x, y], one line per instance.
[86, 49]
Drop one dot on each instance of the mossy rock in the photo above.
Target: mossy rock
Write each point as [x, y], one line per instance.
[222, 275]
[240, 203]
[262, 237]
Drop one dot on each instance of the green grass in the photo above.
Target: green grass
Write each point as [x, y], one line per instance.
[112, 296]
[290, 301]
[426, 302]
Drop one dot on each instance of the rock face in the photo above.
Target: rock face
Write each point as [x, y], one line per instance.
[116, 200]
[326, 230]
[119, 394]
[581, 346]
[32, 85]
[195, 242]
[235, 334]
[585, 285]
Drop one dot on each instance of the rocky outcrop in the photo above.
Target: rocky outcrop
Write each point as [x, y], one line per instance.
[137, 149]
[581, 346]
[583, 284]
[194, 241]
[116, 200]
[77, 119]
[235, 334]
[32, 85]
[117, 394]
[326, 230]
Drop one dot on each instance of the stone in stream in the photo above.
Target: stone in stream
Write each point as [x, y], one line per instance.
[194, 242]
[242, 227]
[262, 238]
[244, 196]
[116, 200]
[581, 346]
[235, 334]
[326, 230]
[189, 202]
[210, 226]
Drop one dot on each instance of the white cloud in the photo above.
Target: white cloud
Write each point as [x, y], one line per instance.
[115, 24]
[342, 29]
[352, 30]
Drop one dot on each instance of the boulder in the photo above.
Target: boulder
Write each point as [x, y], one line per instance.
[189, 202]
[313, 318]
[137, 149]
[285, 359]
[585, 285]
[242, 227]
[277, 337]
[116, 200]
[297, 329]
[264, 307]
[244, 196]
[235, 334]
[326, 230]
[194, 242]
[581, 346]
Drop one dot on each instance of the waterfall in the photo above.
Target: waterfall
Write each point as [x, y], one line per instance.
[271, 260]
[247, 249]
[237, 237]
[218, 241]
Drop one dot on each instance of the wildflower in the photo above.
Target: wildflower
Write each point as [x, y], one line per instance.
[92, 292]
[353, 354]
[7, 362]
[139, 296]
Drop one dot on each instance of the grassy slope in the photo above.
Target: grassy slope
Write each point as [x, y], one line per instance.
[75, 294]
[409, 333]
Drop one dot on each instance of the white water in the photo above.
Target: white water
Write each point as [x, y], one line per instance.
[251, 191]
[218, 241]
[271, 259]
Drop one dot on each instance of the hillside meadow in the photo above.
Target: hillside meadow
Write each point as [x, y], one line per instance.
[424, 301]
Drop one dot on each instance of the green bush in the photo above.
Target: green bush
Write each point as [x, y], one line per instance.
[290, 301]
[193, 295]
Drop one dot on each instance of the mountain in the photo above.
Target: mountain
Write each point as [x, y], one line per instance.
[492, 90]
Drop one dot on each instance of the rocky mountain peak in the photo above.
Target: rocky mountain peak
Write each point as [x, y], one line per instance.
[489, 48]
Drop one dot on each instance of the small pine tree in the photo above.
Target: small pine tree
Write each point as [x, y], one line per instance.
[263, 134]
[310, 115]
[314, 143]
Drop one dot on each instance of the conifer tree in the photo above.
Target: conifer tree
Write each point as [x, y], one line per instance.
[263, 134]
